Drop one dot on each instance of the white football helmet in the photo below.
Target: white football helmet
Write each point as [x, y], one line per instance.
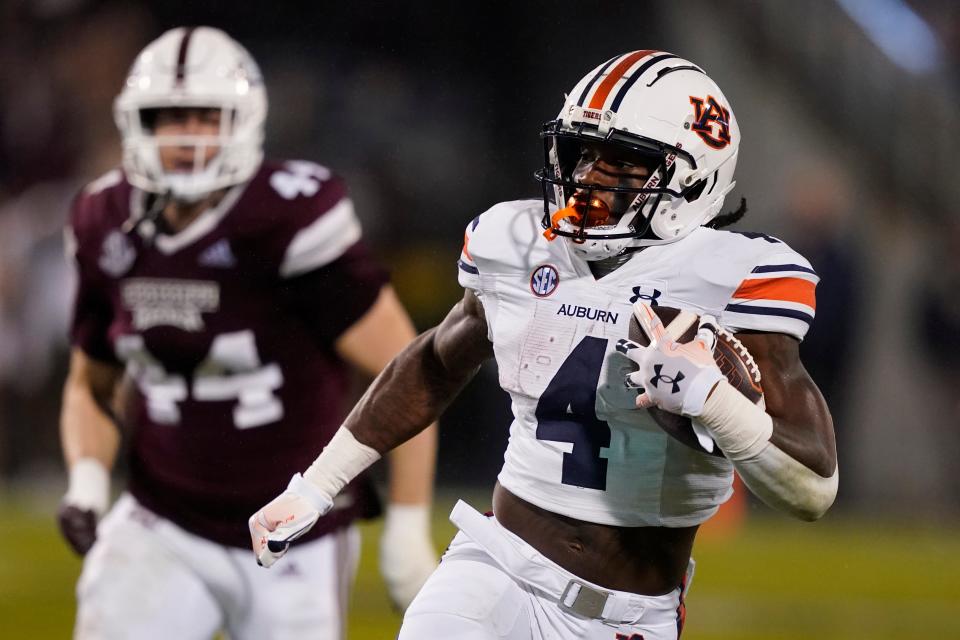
[193, 67]
[666, 112]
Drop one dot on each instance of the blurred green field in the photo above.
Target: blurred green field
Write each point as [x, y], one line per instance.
[776, 579]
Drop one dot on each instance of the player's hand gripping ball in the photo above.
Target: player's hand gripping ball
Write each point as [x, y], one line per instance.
[678, 365]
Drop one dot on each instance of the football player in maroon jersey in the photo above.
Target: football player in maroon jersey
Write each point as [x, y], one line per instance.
[236, 294]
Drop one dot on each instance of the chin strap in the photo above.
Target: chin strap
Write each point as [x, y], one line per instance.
[606, 266]
[563, 214]
[146, 223]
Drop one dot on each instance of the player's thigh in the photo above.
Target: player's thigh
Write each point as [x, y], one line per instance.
[133, 586]
[303, 596]
[468, 597]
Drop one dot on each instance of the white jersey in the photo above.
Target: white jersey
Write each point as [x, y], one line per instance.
[578, 446]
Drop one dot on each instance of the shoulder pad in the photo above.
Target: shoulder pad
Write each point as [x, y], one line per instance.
[502, 238]
[774, 289]
[100, 207]
[303, 212]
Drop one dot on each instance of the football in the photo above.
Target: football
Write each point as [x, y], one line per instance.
[731, 356]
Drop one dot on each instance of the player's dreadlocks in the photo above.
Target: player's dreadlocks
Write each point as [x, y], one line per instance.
[726, 219]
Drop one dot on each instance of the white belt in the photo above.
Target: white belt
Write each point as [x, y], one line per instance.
[585, 599]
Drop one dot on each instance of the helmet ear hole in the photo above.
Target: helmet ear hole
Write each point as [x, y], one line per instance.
[148, 118]
[694, 192]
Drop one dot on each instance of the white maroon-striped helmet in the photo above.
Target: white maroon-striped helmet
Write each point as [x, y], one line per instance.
[662, 109]
[193, 67]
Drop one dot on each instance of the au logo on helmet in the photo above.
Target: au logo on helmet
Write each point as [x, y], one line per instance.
[707, 113]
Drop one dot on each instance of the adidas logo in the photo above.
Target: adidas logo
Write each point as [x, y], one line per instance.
[218, 255]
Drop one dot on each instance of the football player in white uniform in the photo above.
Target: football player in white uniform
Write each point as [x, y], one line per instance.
[237, 294]
[596, 508]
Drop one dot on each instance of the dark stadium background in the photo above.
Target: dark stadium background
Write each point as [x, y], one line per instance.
[431, 110]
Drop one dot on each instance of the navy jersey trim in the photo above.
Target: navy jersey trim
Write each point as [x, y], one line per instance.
[772, 268]
[770, 311]
[468, 268]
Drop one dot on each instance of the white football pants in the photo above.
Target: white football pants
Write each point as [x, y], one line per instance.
[147, 578]
[491, 585]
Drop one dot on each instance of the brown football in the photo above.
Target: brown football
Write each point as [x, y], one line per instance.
[731, 356]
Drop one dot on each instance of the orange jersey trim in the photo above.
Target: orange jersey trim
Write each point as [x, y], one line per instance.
[783, 289]
[466, 241]
[600, 96]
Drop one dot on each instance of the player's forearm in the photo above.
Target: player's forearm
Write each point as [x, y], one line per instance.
[90, 441]
[408, 395]
[807, 436]
[86, 430]
[745, 433]
[800, 418]
[412, 467]
[787, 485]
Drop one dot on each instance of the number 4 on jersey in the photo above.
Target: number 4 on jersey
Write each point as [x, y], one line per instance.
[300, 179]
[567, 412]
[233, 370]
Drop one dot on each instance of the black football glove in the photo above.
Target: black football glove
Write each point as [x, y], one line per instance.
[78, 526]
[88, 494]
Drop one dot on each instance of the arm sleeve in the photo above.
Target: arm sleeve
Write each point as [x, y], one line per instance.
[778, 295]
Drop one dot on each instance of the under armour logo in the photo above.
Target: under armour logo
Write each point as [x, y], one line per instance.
[675, 381]
[625, 345]
[651, 298]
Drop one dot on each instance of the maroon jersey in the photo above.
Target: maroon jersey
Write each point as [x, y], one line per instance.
[227, 327]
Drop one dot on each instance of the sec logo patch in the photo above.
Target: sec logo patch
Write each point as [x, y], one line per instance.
[544, 281]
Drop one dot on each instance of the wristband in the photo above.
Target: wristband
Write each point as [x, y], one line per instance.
[89, 486]
[342, 460]
[740, 428]
[414, 518]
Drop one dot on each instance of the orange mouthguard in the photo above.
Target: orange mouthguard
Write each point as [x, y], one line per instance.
[595, 209]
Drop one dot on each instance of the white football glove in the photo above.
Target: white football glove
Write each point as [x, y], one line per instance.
[286, 518]
[407, 556]
[674, 377]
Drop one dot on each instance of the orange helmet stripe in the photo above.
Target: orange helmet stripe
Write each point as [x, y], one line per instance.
[600, 96]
